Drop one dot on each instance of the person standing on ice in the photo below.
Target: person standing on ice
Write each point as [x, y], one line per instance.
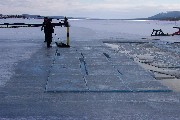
[66, 21]
[44, 28]
[48, 30]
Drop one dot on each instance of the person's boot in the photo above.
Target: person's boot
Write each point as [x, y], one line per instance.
[49, 45]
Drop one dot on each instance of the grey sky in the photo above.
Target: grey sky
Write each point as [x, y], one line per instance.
[90, 8]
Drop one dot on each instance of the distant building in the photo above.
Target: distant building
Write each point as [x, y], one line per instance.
[31, 16]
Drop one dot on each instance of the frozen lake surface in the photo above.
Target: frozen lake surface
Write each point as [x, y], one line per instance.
[16, 44]
[94, 29]
[89, 80]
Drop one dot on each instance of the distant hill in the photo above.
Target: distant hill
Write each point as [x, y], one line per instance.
[172, 15]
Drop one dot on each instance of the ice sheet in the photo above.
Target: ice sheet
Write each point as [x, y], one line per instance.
[15, 42]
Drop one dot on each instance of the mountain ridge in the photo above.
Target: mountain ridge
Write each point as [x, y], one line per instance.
[170, 15]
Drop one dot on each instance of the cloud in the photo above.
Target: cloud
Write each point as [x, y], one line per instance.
[88, 8]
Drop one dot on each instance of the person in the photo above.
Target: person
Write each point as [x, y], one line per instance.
[44, 27]
[66, 24]
[48, 30]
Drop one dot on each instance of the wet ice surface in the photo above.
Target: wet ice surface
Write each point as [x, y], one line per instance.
[16, 45]
[101, 70]
[159, 57]
[164, 56]
[13, 51]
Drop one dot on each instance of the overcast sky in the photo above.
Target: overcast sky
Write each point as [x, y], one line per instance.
[90, 8]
